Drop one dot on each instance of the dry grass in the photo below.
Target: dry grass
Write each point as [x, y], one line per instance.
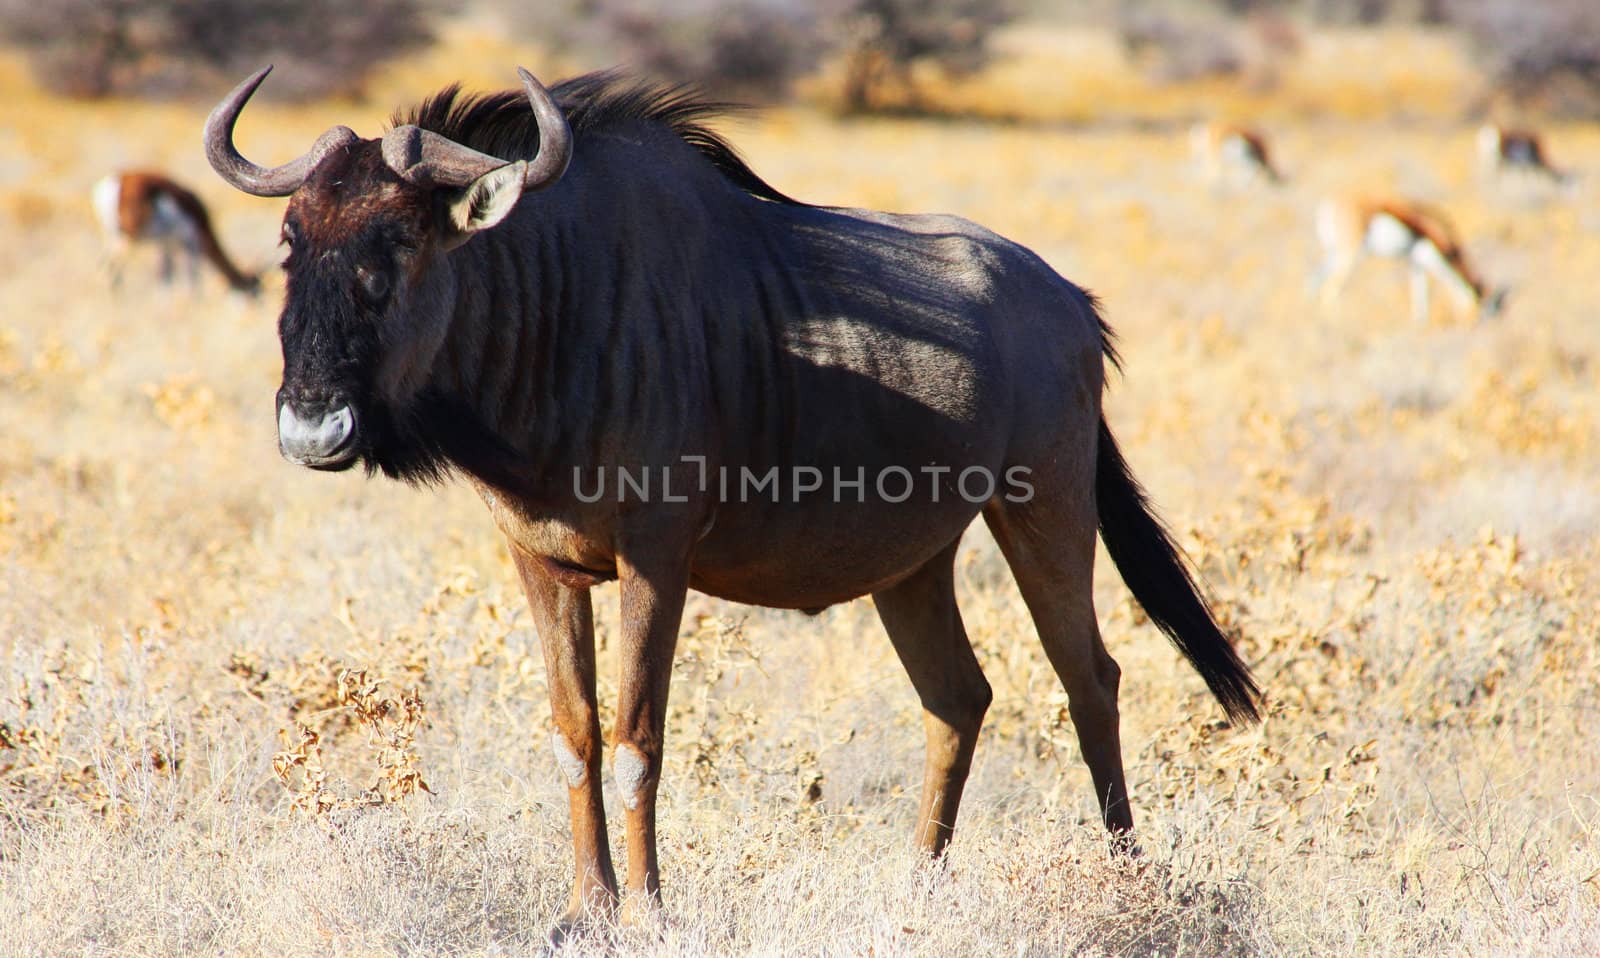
[213, 737]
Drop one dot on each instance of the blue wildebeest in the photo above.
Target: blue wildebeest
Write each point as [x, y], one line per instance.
[460, 301]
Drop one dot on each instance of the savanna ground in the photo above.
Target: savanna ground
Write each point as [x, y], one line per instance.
[225, 679]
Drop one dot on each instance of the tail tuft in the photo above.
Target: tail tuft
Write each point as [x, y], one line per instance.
[1155, 572]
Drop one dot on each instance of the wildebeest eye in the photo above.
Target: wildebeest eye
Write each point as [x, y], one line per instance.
[374, 284]
[288, 235]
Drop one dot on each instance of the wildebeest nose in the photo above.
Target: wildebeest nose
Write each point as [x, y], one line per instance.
[315, 434]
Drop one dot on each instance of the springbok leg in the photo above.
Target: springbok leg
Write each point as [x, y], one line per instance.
[653, 592]
[565, 620]
[924, 624]
[191, 258]
[1332, 278]
[1420, 307]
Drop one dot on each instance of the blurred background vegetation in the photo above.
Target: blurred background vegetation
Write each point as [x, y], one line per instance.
[856, 56]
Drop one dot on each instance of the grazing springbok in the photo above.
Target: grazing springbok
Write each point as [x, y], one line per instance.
[1350, 229]
[137, 207]
[1503, 151]
[799, 405]
[1228, 153]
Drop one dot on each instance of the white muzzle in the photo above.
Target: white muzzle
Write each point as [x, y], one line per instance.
[314, 441]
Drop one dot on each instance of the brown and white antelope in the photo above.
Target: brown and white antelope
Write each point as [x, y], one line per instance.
[1351, 229]
[1504, 151]
[142, 208]
[461, 302]
[1232, 154]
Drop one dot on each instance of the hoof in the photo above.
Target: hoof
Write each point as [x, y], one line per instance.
[1124, 845]
[580, 922]
[642, 913]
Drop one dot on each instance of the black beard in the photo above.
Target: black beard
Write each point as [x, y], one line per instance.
[434, 436]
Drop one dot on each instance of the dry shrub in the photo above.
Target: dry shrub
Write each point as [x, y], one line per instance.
[1549, 50]
[96, 48]
[29, 210]
[390, 724]
[744, 49]
[298, 766]
[1181, 46]
[882, 43]
[182, 402]
[1373, 12]
[1516, 417]
[53, 756]
[1174, 50]
[756, 49]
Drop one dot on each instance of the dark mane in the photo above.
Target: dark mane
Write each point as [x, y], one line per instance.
[501, 124]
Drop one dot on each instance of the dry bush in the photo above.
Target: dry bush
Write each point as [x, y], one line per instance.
[883, 41]
[744, 49]
[391, 726]
[96, 48]
[1548, 50]
[1375, 12]
[1179, 46]
[1175, 50]
[755, 49]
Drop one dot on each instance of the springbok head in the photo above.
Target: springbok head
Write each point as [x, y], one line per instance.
[368, 225]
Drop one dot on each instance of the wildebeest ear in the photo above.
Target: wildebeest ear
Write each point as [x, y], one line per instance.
[485, 201]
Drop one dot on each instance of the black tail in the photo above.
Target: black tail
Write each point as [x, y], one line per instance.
[1158, 577]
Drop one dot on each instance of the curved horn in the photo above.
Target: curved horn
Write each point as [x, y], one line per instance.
[425, 158]
[245, 175]
[555, 137]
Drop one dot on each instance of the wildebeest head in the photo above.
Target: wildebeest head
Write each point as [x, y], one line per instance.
[368, 221]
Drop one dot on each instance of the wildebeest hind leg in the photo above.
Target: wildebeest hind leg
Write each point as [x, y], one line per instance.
[1049, 543]
[924, 624]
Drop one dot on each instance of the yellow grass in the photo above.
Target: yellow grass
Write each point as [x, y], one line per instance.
[1399, 522]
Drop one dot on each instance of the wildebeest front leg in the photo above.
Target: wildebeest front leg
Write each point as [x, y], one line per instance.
[652, 605]
[565, 619]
